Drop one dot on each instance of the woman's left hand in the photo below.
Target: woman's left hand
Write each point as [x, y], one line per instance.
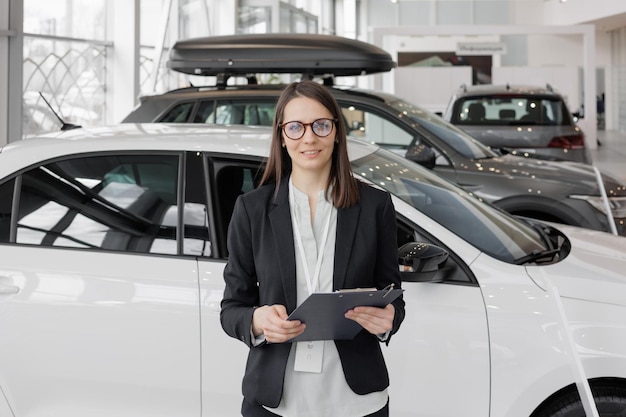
[375, 320]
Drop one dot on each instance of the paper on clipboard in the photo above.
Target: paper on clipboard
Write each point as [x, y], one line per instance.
[324, 313]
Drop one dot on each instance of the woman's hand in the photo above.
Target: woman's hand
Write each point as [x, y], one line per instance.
[375, 320]
[272, 322]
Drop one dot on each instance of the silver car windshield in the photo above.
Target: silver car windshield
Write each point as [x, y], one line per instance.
[447, 132]
[489, 229]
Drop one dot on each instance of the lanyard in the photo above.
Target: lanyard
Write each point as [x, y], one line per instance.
[311, 282]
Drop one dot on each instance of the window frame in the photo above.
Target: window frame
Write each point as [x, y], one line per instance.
[179, 183]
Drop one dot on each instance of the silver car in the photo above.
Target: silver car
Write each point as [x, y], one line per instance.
[519, 119]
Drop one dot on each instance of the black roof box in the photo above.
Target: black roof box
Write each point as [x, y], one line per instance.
[309, 54]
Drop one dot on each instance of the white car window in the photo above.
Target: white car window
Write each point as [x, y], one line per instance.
[112, 202]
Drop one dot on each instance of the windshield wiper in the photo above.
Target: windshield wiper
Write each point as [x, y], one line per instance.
[547, 254]
[543, 231]
[552, 247]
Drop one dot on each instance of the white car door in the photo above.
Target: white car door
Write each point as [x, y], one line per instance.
[440, 353]
[223, 358]
[98, 315]
[87, 333]
[439, 360]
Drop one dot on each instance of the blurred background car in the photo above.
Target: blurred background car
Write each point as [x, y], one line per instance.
[120, 311]
[519, 118]
[568, 193]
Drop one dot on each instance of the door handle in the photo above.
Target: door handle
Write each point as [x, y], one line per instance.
[9, 289]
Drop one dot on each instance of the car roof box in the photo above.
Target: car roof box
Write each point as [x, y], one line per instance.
[308, 54]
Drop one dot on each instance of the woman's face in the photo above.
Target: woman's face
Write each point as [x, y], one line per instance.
[311, 152]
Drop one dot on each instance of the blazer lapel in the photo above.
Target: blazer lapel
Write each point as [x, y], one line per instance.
[282, 231]
[347, 221]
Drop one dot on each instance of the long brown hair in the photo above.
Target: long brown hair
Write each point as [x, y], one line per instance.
[345, 190]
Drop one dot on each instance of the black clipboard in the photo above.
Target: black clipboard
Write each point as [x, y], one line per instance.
[324, 313]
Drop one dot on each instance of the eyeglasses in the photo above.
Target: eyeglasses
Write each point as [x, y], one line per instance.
[321, 127]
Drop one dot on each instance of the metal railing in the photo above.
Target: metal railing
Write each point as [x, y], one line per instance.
[71, 73]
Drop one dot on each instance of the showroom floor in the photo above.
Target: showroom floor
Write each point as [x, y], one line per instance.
[610, 156]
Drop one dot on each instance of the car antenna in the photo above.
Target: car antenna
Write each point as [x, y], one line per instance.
[64, 126]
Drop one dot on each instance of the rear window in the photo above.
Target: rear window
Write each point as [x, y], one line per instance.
[504, 110]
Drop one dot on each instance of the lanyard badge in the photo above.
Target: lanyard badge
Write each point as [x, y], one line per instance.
[309, 355]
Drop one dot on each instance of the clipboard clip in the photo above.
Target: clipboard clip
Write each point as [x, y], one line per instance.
[388, 289]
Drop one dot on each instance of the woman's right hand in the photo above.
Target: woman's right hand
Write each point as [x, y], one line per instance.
[272, 322]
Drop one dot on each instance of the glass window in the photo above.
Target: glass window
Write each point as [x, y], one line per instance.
[233, 180]
[451, 135]
[179, 114]
[74, 19]
[70, 73]
[494, 232]
[506, 110]
[227, 112]
[113, 202]
[361, 123]
[254, 19]
[71, 76]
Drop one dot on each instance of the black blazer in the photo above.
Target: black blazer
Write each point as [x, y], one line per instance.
[261, 270]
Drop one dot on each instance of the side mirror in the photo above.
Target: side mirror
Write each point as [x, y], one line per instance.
[422, 154]
[419, 262]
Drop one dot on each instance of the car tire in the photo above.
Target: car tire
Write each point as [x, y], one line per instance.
[610, 401]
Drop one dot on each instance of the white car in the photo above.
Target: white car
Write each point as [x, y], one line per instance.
[112, 247]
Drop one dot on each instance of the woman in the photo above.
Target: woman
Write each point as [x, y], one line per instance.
[310, 227]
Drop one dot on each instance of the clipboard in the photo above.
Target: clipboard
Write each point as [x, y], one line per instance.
[324, 313]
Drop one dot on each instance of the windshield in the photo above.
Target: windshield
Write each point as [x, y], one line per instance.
[454, 137]
[489, 229]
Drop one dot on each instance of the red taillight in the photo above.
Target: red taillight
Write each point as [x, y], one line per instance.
[568, 142]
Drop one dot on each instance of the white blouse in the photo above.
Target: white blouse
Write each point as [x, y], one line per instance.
[325, 394]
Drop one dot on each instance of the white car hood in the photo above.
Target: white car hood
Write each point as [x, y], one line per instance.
[595, 269]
